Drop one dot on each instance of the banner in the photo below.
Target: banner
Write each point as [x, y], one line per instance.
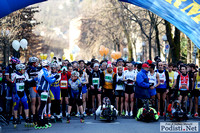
[184, 14]
[9, 6]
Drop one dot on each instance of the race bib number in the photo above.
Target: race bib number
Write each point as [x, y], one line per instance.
[198, 85]
[108, 78]
[44, 96]
[63, 84]
[150, 81]
[183, 87]
[21, 88]
[162, 82]
[170, 79]
[119, 87]
[95, 81]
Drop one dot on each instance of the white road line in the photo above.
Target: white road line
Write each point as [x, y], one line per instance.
[112, 123]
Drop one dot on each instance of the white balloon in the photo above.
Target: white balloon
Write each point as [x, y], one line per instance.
[73, 51]
[76, 49]
[23, 43]
[16, 45]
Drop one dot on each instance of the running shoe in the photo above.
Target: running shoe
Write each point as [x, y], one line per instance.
[196, 115]
[78, 114]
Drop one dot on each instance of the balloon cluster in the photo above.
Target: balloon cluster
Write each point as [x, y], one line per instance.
[43, 56]
[103, 50]
[116, 55]
[16, 44]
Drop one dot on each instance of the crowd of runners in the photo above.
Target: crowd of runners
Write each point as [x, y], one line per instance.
[41, 89]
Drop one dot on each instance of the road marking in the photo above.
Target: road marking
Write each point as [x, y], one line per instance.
[112, 123]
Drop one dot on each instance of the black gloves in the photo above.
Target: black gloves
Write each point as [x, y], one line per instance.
[129, 81]
[151, 84]
[120, 82]
[31, 83]
[56, 77]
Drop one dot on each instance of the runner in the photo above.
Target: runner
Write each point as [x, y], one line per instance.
[65, 76]
[19, 95]
[162, 89]
[75, 95]
[118, 84]
[184, 85]
[43, 86]
[84, 82]
[55, 94]
[108, 90]
[32, 72]
[96, 81]
[10, 70]
[153, 80]
[129, 78]
[196, 91]
[120, 62]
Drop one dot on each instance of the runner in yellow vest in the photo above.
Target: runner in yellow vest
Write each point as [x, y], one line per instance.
[172, 79]
[108, 90]
[196, 91]
[172, 90]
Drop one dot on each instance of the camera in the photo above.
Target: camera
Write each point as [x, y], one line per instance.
[151, 84]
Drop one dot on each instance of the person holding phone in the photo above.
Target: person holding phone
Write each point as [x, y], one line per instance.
[153, 80]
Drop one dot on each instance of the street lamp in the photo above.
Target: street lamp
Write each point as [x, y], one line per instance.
[125, 53]
[195, 53]
[143, 46]
[164, 38]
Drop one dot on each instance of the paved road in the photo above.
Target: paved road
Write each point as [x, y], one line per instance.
[121, 125]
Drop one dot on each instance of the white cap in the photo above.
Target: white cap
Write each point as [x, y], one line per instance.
[75, 73]
[109, 65]
[96, 64]
[64, 68]
[45, 63]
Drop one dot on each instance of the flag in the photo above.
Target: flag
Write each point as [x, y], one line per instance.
[9, 6]
[184, 14]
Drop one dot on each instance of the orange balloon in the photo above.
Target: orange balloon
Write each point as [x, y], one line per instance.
[114, 55]
[101, 51]
[118, 55]
[106, 51]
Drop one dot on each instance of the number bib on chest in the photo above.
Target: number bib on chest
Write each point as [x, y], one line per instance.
[63, 83]
[170, 80]
[95, 81]
[120, 87]
[108, 78]
[162, 78]
[20, 86]
[198, 85]
[44, 96]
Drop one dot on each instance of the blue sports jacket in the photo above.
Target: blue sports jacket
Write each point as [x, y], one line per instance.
[44, 80]
[142, 85]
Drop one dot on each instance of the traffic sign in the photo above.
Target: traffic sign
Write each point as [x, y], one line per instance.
[166, 50]
[167, 46]
[195, 49]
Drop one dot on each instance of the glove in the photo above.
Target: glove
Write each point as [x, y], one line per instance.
[56, 77]
[129, 81]
[151, 84]
[119, 82]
